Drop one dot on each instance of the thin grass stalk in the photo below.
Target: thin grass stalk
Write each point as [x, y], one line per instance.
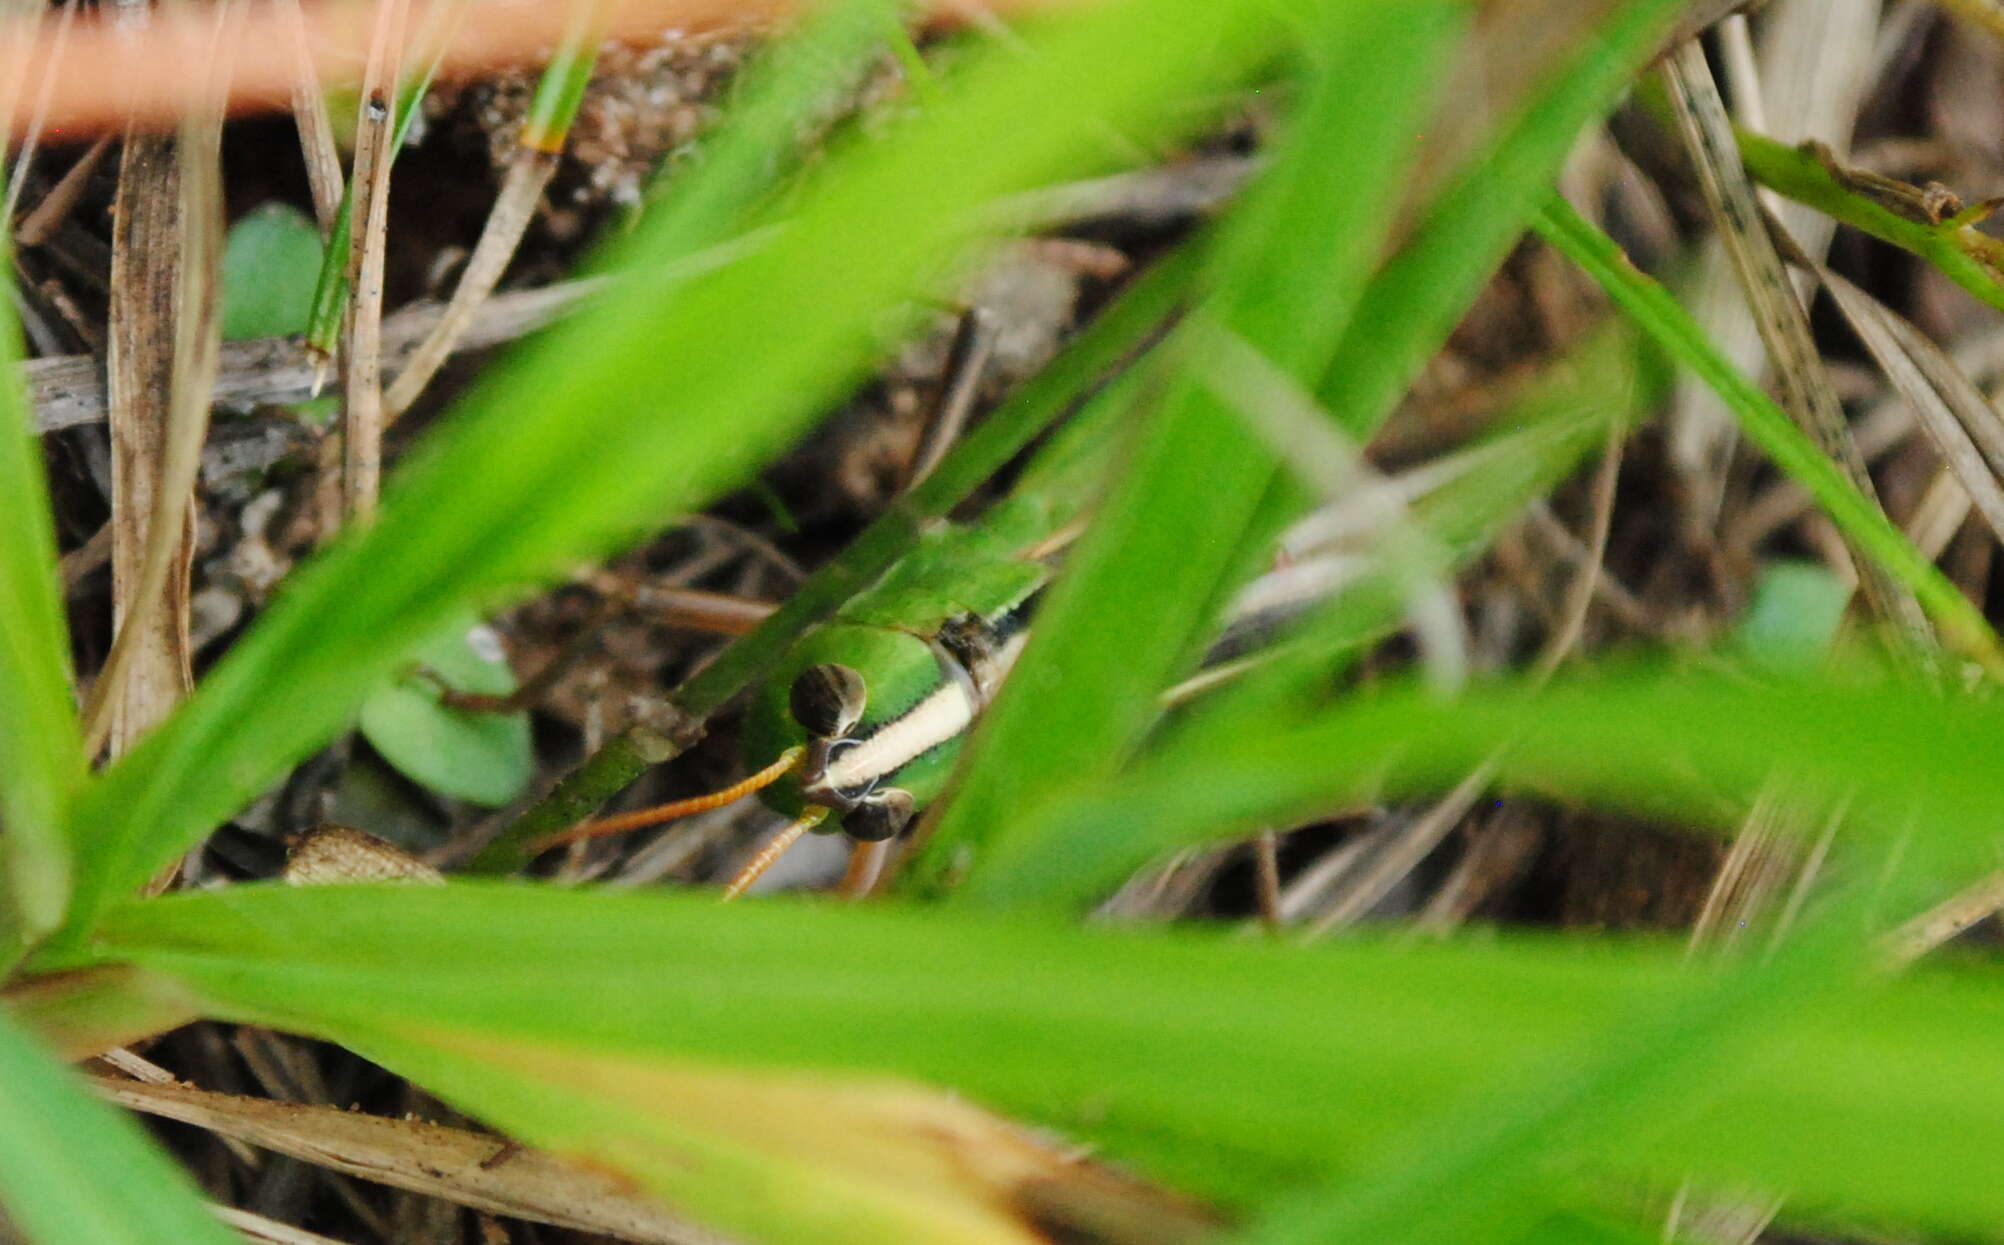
[65, 18]
[316, 128]
[551, 113]
[328, 316]
[376, 145]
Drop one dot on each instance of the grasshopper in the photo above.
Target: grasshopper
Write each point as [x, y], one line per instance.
[868, 711]
[860, 725]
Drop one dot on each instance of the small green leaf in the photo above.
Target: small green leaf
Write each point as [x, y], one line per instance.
[269, 266]
[483, 758]
[1794, 614]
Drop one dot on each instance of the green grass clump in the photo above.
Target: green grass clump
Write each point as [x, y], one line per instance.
[773, 1068]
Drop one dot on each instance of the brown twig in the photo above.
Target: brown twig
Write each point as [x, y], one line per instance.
[316, 127]
[70, 390]
[37, 226]
[375, 148]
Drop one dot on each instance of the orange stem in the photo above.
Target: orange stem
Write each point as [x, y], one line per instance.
[773, 850]
[654, 816]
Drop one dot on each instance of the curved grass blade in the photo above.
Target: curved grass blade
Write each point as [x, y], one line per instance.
[565, 451]
[1409, 310]
[1237, 1069]
[73, 1169]
[1682, 746]
[1169, 542]
[1559, 418]
[1862, 523]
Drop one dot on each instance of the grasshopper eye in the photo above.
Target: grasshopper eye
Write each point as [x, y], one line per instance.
[828, 700]
[884, 815]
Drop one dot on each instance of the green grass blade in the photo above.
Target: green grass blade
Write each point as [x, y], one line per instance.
[1673, 328]
[39, 736]
[1168, 542]
[646, 407]
[1237, 1068]
[1497, 1154]
[1683, 746]
[562, 86]
[1562, 416]
[1812, 175]
[73, 1169]
[1423, 291]
[1556, 422]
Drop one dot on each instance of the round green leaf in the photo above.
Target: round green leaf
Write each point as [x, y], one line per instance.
[270, 264]
[483, 758]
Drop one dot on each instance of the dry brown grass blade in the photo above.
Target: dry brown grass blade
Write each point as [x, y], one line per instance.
[521, 191]
[472, 1169]
[146, 257]
[1806, 79]
[534, 163]
[37, 226]
[1957, 418]
[1959, 912]
[165, 335]
[316, 127]
[1784, 326]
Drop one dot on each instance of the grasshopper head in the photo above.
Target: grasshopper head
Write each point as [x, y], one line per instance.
[839, 687]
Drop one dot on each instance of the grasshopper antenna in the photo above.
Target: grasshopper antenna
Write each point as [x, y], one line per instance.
[654, 816]
[773, 850]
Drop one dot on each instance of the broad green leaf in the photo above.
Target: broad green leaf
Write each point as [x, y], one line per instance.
[74, 1171]
[647, 406]
[1236, 1068]
[1169, 543]
[39, 737]
[1681, 337]
[1686, 745]
[484, 758]
[270, 264]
